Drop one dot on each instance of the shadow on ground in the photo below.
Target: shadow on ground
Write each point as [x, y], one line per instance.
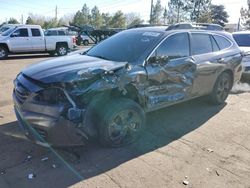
[163, 127]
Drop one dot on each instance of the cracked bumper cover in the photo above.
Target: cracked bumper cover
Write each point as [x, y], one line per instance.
[44, 124]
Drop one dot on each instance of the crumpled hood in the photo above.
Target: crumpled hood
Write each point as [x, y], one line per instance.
[69, 68]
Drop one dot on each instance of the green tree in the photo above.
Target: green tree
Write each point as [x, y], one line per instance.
[133, 19]
[13, 21]
[86, 14]
[96, 17]
[165, 16]
[50, 24]
[177, 11]
[205, 17]
[219, 15]
[245, 15]
[78, 18]
[156, 17]
[82, 17]
[197, 8]
[118, 20]
[106, 19]
[30, 21]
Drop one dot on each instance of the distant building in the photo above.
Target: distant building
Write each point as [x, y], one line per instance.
[233, 27]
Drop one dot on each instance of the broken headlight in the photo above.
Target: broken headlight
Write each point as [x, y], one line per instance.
[51, 95]
[110, 77]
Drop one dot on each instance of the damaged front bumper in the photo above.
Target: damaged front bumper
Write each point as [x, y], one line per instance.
[43, 123]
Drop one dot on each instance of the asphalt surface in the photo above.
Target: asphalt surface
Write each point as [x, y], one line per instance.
[203, 145]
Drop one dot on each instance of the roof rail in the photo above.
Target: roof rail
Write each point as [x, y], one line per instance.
[201, 26]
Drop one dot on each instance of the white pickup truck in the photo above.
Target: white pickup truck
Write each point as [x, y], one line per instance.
[30, 39]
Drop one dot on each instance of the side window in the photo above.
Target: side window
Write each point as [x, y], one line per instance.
[61, 33]
[222, 42]
[35, 32]
[175, 46]
[201, 44]
[215, 45]
[21, 33]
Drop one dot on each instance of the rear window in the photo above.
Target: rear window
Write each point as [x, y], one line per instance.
[222, 42]
[242, 39]
[35, 32]
[51, 33]
[61, 33]
[201, 43]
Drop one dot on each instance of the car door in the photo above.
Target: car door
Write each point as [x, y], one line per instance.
[207, 55]
[171, 72]
[20, 41]
[37, 39]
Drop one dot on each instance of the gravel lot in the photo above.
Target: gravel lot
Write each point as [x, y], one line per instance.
[203, 145]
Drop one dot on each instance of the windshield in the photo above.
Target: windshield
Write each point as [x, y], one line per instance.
[8, 32]
[3, 29]
[242, 39]
[126, 46]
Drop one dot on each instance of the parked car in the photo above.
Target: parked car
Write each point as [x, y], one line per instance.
[85, 39]
[31, 39]
[105, 92]
[6, 27]
[243, 40]
[59, 31]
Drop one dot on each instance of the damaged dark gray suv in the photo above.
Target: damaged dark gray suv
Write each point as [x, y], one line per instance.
[105, 92]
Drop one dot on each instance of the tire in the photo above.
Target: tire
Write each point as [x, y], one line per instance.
[3, 53]
[123, 122]
[86, 43]
[62, 50]
[221, 89]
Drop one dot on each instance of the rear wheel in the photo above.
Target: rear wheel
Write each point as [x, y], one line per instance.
[3, 52]
[61, 50]
[221, 89]
[123, 123]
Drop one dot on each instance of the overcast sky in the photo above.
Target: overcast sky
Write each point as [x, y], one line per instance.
[16, 8]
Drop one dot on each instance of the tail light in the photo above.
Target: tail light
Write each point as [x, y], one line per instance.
[74, 40]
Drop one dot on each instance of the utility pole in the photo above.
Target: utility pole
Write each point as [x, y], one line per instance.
[56, 13]
[238, 25]
[22, 19]
[178, 11]
[151, 11]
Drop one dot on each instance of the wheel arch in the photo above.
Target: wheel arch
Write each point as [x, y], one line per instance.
[231, 74]
[62, 43]
[5, 46]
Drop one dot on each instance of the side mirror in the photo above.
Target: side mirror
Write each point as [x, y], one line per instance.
[14, 35]
[245, 53]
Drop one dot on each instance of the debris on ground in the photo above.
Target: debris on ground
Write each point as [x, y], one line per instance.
[217, 173]
[240, 88]
[2, 172]
[185, 182]
[31, 176]
[210, 150]
[44, 159]
[54, 166]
